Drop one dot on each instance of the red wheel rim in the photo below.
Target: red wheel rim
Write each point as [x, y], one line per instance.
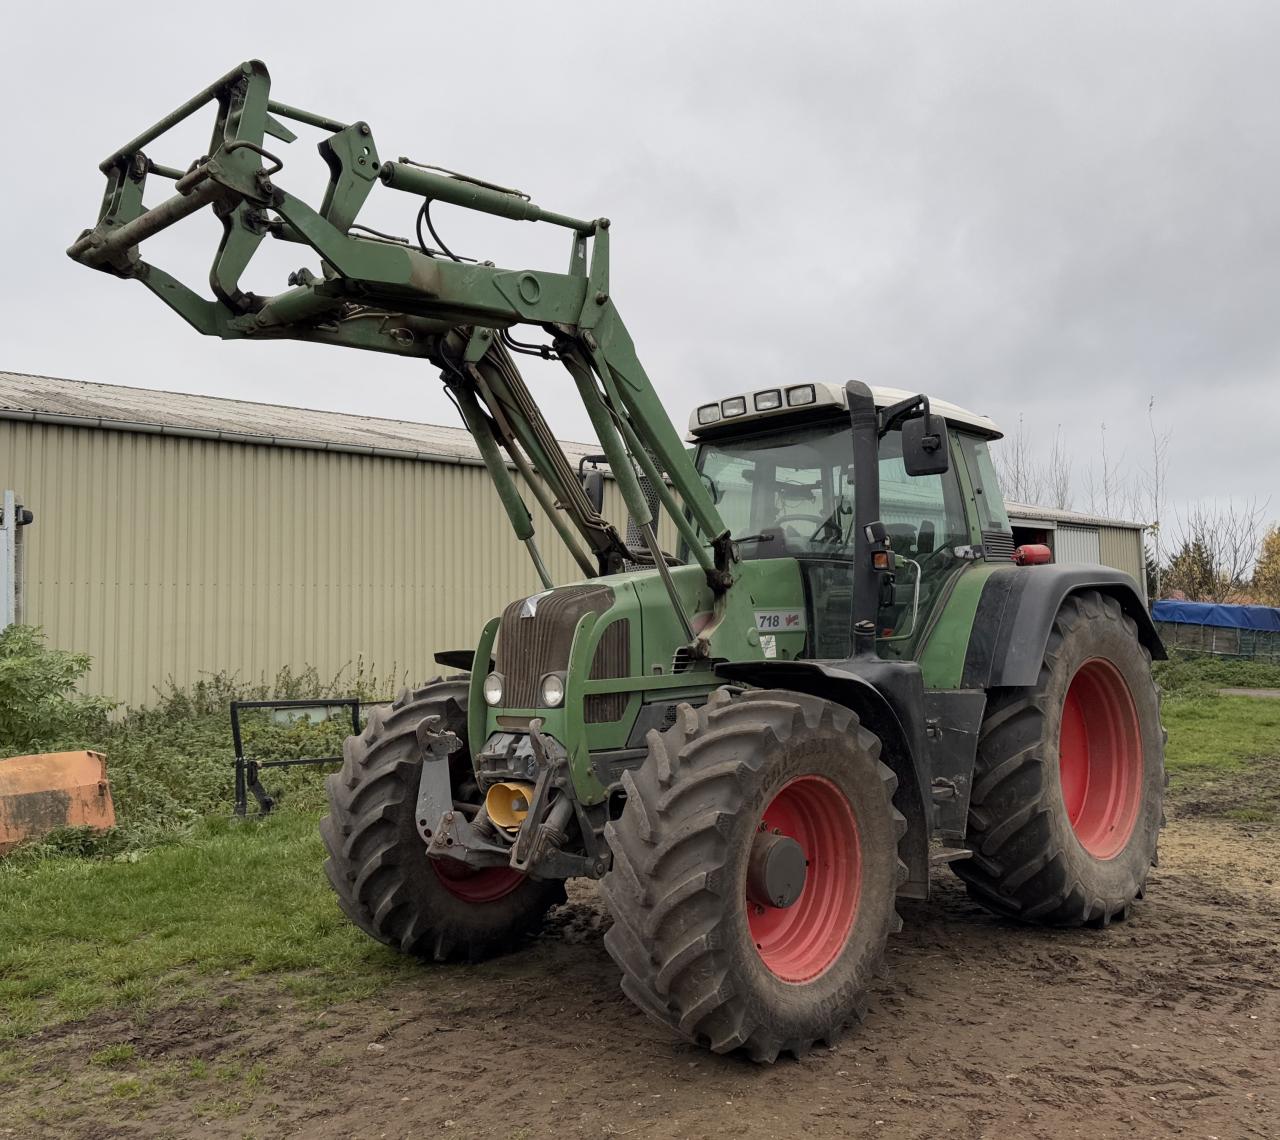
[1100, 759]
[800, 942]
[485, 885]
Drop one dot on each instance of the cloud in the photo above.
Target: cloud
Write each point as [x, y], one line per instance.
[1054, 212]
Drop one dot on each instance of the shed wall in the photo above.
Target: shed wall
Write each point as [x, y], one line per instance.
[165, 557]
[1077, 544]
[1123, 548]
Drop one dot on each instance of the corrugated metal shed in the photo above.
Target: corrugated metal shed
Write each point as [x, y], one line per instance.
[177, 552]
[177, 534]
[1079, 537]
[1077, 544]
[1054, 515]
[77, 403]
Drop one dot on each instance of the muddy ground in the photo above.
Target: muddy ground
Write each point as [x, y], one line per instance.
[1168, 1025]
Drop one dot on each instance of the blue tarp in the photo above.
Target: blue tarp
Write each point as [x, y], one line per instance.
[1208, 613]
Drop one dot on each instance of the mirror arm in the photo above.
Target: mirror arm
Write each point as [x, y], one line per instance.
[896, 414]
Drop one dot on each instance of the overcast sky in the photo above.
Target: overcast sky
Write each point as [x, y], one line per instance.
[1053, 211]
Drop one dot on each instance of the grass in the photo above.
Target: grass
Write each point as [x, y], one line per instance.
[114, 1056]
[1198, 674]
[1223, 756]
[1220, 733]
[84, 935]
[180, 900]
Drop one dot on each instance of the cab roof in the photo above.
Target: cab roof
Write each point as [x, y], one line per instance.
[793, 401]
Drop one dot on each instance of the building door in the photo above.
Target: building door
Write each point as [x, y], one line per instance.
[1077, 544]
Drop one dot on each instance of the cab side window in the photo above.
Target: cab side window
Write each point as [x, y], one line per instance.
[925, 519]
[986, 487]
[924, 514]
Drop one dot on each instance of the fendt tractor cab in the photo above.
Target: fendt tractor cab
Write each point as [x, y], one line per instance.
[756, 741]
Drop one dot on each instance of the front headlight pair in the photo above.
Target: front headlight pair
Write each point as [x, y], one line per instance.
[551, 687]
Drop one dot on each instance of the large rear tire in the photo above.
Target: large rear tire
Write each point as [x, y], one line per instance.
[1069, 783]
[722, 969]
[378, 865]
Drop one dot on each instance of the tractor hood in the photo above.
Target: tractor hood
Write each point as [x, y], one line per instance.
[613, 645]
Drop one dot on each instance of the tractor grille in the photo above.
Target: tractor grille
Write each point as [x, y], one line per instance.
[612, 659]
[535, 634]
[997, 546]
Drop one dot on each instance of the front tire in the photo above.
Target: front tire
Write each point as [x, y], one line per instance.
[1069, 783]
[725, 970]
[378, 864]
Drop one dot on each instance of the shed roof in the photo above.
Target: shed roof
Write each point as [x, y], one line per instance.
[115, 407]
[1029, 512]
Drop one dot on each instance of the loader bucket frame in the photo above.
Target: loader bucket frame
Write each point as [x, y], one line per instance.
[387, 294]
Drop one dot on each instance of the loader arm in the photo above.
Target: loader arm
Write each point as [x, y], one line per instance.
[387, 294]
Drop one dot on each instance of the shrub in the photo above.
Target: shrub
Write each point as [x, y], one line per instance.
[1187, 675]
[171, 762]
[39, 707]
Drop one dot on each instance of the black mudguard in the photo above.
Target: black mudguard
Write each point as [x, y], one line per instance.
[1015, 616]
[888, 697]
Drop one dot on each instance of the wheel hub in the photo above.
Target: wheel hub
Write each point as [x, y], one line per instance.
[775, 870]
[804, 874]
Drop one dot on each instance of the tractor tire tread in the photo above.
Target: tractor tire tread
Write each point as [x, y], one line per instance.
[1017, 869]
[668, 919]
[374, 865]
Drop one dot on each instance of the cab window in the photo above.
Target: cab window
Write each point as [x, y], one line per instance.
[790, 492]
[986, 487]
[784, 492]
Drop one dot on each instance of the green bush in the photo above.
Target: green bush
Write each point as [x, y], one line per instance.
[39, 707]
[1187, 675]
[170, 763]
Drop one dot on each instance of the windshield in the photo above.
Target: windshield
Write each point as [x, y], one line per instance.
[790, 492]
[784, 492]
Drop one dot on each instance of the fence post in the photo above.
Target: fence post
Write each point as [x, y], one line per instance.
[8, 560]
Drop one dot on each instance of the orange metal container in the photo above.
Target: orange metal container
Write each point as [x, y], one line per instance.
[57, 789]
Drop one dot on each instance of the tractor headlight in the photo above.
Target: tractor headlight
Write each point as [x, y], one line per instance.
[767, 401]
[708, 414]
[553, 690]
[492, 689]
[805, 394]
[734, 407]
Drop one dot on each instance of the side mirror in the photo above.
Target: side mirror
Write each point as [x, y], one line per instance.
[924, 446]
[593, 486]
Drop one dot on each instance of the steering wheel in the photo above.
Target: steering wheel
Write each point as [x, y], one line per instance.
[817, 520]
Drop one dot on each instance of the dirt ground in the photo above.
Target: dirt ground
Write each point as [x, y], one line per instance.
[1168, 1025]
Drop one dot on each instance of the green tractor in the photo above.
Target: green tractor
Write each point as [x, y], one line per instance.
[842, 674]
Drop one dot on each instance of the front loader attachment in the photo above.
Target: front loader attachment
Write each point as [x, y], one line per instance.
[379, 292]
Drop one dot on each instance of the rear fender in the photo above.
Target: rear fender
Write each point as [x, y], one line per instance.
[883, 694]
[1016, 612]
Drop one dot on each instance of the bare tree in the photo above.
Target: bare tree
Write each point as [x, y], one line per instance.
[1109, 474]
[1020, 477]
[1058, 474]
[1110, 491]
[1226, 539]
[1154, 486]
